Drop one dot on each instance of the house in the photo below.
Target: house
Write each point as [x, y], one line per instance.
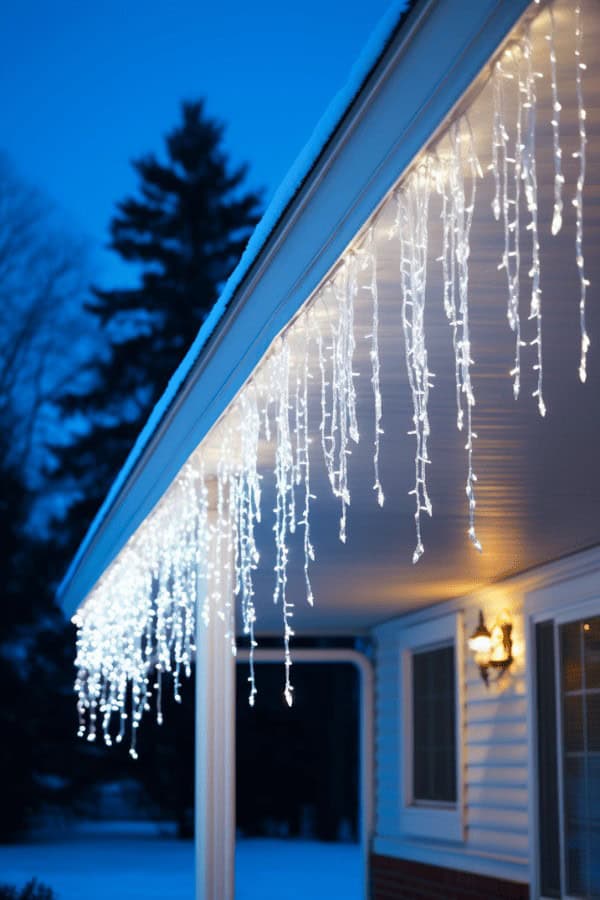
[401, 360]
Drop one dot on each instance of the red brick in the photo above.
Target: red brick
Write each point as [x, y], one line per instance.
[397, 879]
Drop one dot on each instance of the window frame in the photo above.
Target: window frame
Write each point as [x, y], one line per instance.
[558, 615]
[428, 819]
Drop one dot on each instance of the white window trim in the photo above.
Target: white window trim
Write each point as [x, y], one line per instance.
[566, 600]
[430, 821]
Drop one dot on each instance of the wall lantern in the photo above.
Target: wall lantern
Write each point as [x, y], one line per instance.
[492, 649]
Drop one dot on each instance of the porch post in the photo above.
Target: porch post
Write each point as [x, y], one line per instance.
[215, 762]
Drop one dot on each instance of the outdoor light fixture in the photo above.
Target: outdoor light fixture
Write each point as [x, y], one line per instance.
[492, 649]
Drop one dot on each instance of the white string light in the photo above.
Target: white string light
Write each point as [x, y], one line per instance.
[448, 260]
[413, 229]
[457, 218]
[303, 458]
[369, 256]
[529, 175]
[247, 515]
[339, 422]
[141, 616]
[284, 486]
[503, 201]
[559, 178]
[580, 154]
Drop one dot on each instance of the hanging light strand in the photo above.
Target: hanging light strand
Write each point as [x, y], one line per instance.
[369, 257]
[502, 160]
[284, 485]
[458, 209]
[339, 422]
[448, 260]
[248, 514]
[580, 154]
[559, 178]
[412, 227]
[303, 458]
[531, 194]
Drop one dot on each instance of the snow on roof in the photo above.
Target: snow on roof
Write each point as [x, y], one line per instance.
[282, 198]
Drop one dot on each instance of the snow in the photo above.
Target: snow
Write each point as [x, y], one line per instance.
[139, 864]
[278, 205]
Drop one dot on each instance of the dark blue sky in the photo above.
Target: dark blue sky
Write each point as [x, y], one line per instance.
[85, 87]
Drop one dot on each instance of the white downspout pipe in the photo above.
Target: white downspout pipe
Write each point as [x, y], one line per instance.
[214, 764]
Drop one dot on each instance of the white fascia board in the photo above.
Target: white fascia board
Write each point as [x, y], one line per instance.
[424, 72]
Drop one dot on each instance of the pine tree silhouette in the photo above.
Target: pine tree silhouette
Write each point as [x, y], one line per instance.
[184, 231]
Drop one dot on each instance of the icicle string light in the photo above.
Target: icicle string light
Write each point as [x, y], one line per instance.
[412, 225]
[197, 553]
[457, 218]
[580, 154]
[141, 616]
[559, 178]
[303, 457]
[370, 262]
[248, 514]
[504, 201]
[448, 260]
[284, 503]
[339, 422]
[529, 176]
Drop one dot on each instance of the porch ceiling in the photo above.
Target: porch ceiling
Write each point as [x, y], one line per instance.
[538, 486]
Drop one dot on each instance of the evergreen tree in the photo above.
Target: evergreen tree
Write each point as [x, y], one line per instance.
[184, 232]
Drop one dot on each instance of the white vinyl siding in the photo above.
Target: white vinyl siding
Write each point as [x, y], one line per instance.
[494, 756]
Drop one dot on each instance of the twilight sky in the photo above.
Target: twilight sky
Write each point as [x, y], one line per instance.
[85, 87]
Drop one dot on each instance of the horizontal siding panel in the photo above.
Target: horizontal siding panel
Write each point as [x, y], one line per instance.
[494, 755]
[477, 793]
[497, 714]
[507, 819]
[475, 690]
[490, 770]
[500, 703]
[511, 805]
[496, 733]
[513, 842]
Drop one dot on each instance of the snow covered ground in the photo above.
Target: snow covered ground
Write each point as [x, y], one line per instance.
[137, 864]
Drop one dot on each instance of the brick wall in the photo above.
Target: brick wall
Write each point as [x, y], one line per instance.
[400, 879]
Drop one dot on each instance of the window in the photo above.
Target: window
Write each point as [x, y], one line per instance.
[568, 720]
[431, 728]
[434, 726]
